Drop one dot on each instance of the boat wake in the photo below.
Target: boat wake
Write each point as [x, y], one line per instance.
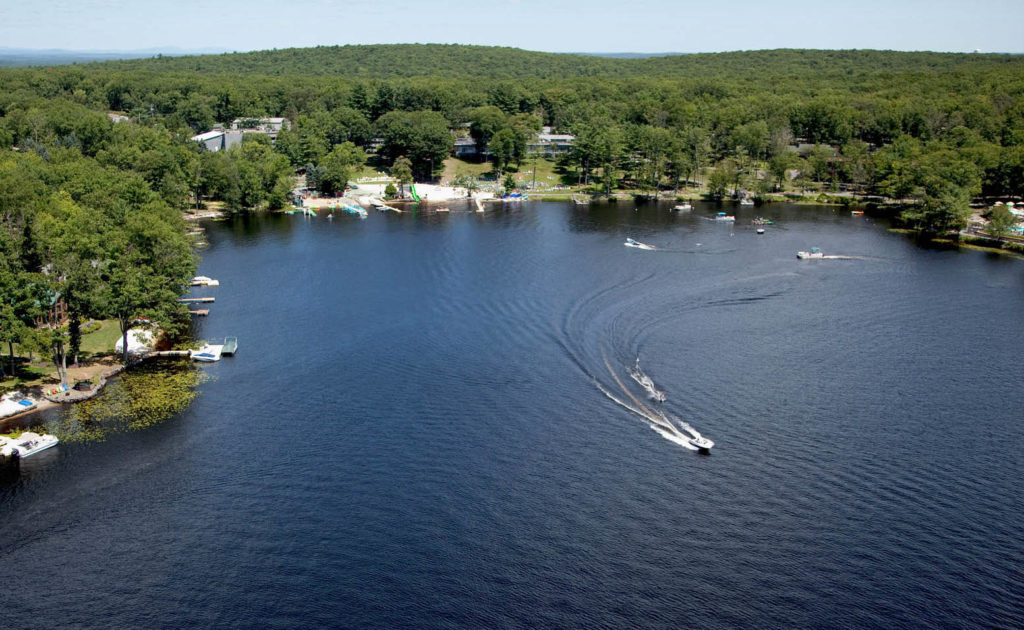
[638, 245]
[657, 420]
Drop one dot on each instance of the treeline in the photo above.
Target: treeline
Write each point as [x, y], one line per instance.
[934, 128]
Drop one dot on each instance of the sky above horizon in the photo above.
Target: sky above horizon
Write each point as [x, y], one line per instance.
[568, 26]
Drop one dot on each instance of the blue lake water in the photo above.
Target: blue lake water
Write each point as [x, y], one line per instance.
[427, 425]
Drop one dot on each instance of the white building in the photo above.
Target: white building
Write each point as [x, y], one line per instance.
[218, 139]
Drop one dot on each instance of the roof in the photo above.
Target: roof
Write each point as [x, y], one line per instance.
[209, 135]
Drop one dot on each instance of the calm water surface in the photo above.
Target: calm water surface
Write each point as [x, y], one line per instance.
[426, 425]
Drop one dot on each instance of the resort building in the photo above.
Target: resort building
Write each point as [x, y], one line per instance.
[218, 139]
[551, 145]
[269, 126]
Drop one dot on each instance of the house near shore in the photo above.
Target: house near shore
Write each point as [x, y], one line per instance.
[218, 139]
[465, 147]
[551, 145]
[545, 143]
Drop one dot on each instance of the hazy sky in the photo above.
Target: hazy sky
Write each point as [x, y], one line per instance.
[551, 25]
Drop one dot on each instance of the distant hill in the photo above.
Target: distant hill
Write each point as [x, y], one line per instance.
[15, 57]
[458, 61]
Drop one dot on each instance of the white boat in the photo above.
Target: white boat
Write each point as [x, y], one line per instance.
[27, 444]
[721, 216]
[702, 443]
[208, 353]
[760, 230]
[442, 209]
[204, 281]
[637, 244]
[814, 253]
[646, 382]
[683, 207]
[746, 201]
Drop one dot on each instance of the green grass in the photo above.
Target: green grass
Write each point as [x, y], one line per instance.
[102, 341]
[454, 167]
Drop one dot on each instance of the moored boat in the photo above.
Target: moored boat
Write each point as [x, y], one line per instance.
[204, 281]
[721, 216]
[683, 207]
[27, 444]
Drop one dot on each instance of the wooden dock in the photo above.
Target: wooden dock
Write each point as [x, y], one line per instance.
[201, 312]
[196, 299]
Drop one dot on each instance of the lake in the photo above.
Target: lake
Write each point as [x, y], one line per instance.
[430, 423]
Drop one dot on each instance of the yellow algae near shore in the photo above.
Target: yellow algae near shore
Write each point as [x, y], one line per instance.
[136, 400]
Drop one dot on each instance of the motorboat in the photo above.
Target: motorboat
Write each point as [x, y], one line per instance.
[746, 201]
[27, 444]
[721, 216]
[702, 443]
[646, 382]
[760, 230]
[208, 353]
[204, 281]
[637, 244]
[683, 207]
[814, 253]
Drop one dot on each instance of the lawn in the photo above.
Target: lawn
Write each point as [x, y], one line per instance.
[100, 342]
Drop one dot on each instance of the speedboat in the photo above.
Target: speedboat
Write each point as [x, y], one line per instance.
[27, 444]
[637, 244]
[208, 353]
[199, 281]
[721, 216]
[684, 207]
[646, 382]
[702, 443]
[814, 253]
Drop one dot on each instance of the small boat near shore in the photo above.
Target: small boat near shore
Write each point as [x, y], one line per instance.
[204, 281]
[27, 444]
[721, 216]
[814, 253]
[746, 201]
[208, 353]
[683, 207]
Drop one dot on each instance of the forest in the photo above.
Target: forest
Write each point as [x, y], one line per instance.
[91, 208]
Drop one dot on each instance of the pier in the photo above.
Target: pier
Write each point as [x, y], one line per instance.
[202, 312]
[196, 299]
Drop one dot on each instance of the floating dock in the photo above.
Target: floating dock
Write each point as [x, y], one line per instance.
[196, 299]
[202, 312]
[230, 345]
